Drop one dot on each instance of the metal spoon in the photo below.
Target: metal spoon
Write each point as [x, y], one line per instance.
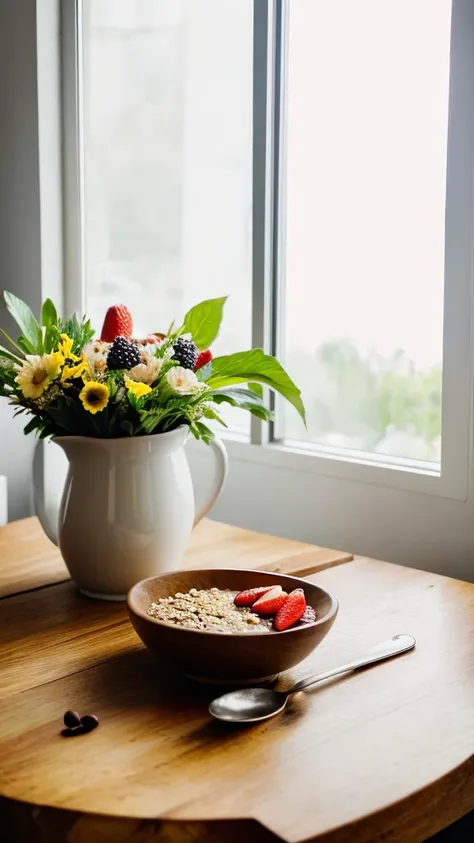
[250, 705]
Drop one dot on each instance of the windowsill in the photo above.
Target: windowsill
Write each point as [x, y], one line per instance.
[409, 475]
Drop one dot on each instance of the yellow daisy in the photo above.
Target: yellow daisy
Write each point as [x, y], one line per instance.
[37, 373]
[136, 388]
[94, 396]
[65, 348]
[78, 370]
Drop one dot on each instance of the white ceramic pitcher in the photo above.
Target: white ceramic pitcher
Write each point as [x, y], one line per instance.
[127, 508]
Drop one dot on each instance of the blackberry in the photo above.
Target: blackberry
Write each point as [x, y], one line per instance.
[186, 353]
[123, 354]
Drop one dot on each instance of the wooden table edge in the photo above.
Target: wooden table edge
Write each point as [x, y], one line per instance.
[435, 806]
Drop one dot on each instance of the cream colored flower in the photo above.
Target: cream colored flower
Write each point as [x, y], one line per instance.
[183, 381]
[37, 372]
[147, 371]
[95, 353]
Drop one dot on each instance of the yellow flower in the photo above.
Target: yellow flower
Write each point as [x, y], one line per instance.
[94, 396]
[37, 373]
[137, 389]
[78, 370]
[65, 348]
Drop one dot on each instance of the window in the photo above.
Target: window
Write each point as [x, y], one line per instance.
[366, 150]
[167, 151]
[314, 159]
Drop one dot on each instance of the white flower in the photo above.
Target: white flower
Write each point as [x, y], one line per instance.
[95, 352]
[183, 381]
[147, 371]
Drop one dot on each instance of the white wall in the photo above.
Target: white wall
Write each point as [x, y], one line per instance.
[30, 264]
[20, 241]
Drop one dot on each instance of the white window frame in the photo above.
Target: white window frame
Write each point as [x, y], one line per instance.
[270, 62]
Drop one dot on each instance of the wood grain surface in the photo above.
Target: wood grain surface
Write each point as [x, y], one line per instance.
[29, 560]
[384, 754]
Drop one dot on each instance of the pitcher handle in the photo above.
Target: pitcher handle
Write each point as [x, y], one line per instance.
[39, 495]
[222, 463]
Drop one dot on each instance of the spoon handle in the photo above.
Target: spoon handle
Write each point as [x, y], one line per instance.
[393, 647]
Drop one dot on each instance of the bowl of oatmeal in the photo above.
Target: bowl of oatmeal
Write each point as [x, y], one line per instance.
[230, 626]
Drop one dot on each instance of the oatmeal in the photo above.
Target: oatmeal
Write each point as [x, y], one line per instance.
[210, 609]
[222, 610]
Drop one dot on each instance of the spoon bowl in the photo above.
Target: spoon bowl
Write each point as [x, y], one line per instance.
[248, 705]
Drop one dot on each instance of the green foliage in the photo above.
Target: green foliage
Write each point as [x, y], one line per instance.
[49, 315]
[255, 366]
[80, 332]
[25, 319]
[203, 321]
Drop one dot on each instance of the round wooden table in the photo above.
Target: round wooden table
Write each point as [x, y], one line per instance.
[383, 754]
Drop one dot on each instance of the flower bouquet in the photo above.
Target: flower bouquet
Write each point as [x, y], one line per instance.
[120, 408]
[119, 386]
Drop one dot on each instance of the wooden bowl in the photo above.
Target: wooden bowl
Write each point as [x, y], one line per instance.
[228, 658]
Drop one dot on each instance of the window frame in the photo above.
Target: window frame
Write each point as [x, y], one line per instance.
[271, 19]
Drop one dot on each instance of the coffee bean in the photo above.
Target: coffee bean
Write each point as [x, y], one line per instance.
[89, 722]
[71, 733]
[72, 719]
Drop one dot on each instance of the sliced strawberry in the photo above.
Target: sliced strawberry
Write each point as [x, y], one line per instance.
[292, 610]
[248, 598]
[203, 359]
[117, 323]
[271, 602]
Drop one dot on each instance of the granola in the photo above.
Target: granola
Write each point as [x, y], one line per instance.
[210, 609]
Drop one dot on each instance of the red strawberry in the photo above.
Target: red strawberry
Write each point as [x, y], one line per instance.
[117, 323]
[247, 598]
[204, 358]
[292, 610]
[271, 602]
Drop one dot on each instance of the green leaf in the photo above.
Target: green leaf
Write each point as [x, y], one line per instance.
[14, 344]
[209, 413]
[49, 316]
[51, 338]
[127, 427]
[257, 388]
[203, 321]
[32, 425]
[245, 399]
[205, 432]
[254, 365]
[26, 321]
[204, 372]
[25, 346]
[8, 355]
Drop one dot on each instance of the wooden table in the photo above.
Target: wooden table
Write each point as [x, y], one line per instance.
[384, 754]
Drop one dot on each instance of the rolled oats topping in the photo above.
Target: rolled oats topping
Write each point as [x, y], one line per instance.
[210, 609]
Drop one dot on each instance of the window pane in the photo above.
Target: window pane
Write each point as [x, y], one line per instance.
[167, 133]
[367, 117]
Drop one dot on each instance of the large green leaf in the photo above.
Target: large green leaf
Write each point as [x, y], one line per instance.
[255, 365]
[49, 314]
[26, 321]
[203, 321]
